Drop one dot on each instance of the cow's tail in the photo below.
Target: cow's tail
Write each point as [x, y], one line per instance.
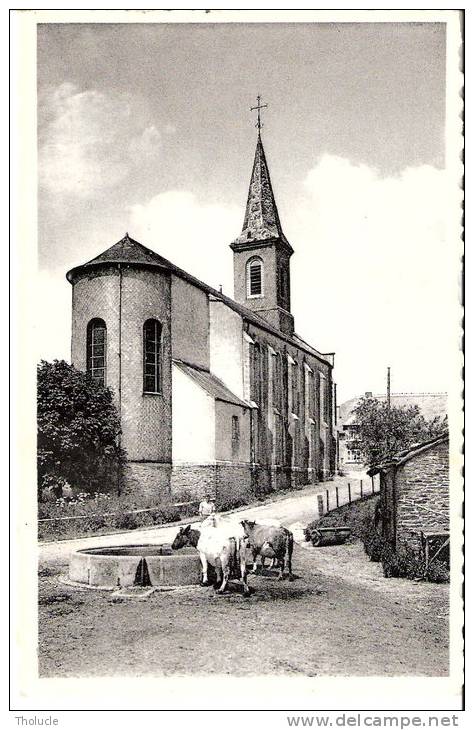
[289, 552]
[233, 558]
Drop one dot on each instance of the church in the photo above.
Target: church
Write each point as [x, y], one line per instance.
[216, 395]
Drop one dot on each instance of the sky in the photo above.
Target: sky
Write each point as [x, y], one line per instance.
[147, 128]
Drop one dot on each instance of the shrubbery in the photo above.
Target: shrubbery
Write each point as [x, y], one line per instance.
[106, 513]
[405, 562]
[383, 432]
[78, 431]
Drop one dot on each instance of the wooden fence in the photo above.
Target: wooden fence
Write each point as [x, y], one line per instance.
[115, 514]
[345, 495]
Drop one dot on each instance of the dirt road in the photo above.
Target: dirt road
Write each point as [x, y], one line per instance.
[339, 617]
[321, 624]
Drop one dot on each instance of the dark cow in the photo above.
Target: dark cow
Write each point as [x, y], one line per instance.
[270, 542]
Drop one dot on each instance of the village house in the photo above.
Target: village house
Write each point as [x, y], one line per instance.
[215, 395]
[431, 405]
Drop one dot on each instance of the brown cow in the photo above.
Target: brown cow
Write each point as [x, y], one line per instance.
[270, 542]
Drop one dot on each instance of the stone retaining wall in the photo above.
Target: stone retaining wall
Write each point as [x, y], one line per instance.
[422, 488]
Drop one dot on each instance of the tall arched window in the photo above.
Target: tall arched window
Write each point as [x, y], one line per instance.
[152, 356]
[255, 277]
[97, 350]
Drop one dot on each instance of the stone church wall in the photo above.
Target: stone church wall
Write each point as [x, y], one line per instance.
[226, 346]
[228, 483]
[148, 481]
[297, 442]
[190, 323]
[146, 418]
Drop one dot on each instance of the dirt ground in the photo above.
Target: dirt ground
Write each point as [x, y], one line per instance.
[339, 617]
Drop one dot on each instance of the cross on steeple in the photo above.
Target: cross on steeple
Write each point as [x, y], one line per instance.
[259, 106]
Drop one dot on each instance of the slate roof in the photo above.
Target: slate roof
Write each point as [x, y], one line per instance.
[125, 251]
[261, 221]
[211, 384]
[131, 252]
[431, 405]
[408, 454]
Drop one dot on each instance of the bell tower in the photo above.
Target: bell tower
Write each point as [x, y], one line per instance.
[262, 252]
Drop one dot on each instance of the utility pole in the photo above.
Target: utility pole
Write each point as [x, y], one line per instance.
[388, 389]
[389, 425]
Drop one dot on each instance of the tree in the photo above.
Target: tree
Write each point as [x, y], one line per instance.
[78, 430]
[384, 432]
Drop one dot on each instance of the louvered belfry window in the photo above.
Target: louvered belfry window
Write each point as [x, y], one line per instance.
[97, 350]
[255, 278]
[152, 356]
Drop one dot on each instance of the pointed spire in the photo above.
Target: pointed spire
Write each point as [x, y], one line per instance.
[261, 222]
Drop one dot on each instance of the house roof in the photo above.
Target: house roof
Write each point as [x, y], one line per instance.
[210, 383]
[431, 405]
[408, 454]
[261, 221]
[132, 253]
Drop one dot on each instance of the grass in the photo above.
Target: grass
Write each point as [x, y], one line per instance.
[406, 562]
[355, 515]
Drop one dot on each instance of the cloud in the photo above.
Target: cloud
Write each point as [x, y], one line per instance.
[192, 235]
[147, 143]
[89, 141]
[374, 260]
[52, 317]
[374, 275]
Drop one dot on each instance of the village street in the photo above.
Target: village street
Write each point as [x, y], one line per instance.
[339, 616]
[302, 506]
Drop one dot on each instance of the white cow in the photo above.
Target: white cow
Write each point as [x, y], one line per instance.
[221, 543]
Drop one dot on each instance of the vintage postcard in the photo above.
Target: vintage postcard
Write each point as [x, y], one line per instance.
[238, 251]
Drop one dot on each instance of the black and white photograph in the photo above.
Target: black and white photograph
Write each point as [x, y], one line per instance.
[240, 305]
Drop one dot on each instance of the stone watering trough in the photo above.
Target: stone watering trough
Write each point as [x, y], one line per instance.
[133, 566]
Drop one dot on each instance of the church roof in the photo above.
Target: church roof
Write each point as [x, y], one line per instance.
[211, 384]
[261, 222]
[125, 251]
[132, 253]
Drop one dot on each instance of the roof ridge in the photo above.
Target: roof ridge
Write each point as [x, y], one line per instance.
[155, 259]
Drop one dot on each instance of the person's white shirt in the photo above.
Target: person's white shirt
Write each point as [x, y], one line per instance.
[206, 508]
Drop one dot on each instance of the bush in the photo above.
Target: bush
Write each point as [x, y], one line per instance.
[78, 430]
[405, 562]
[101, 513]
[438, 572]
[374, 544]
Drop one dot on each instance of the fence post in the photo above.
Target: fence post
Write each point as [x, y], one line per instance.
[373, 486]
[349, 491]
[361, 487]
[327, 499]
[337, 496]
[320, 504]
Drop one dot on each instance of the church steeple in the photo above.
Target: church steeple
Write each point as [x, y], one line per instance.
[261, 221]
[262, 252]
